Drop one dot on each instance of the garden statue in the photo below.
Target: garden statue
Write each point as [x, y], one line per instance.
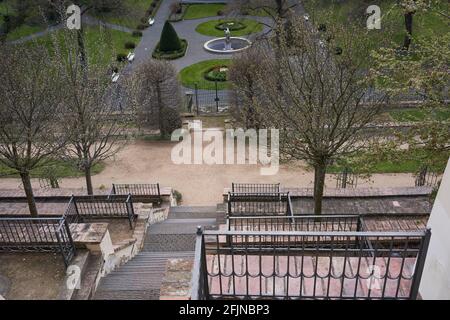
[227, 39]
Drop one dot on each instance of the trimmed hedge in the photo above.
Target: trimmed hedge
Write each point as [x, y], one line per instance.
[236, 25]
[121, 57]
[172, 55]
[214, 74]
[130, 45]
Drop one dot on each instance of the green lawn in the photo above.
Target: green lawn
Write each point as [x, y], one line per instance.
[33, 23]
[23, 31]
[418, 115]
[208, 28]
[406, 166]
[193, 74]
[197, 11]
[60, 168]
[102, 47]
[129, 14]
[402, 161]
[353, 11]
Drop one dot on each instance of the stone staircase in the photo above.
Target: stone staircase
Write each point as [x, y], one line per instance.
[141, 277]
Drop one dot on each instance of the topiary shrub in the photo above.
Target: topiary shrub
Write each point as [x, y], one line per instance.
[169, 41]
[220, 13]
[130, 45]
[142, 26]
[137, 34]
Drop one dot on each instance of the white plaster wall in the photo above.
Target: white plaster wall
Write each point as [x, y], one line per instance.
[435, 282]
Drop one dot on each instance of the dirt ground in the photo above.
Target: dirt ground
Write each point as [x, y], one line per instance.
[150, 162]
[33, 276]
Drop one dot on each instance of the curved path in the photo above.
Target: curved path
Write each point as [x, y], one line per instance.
[186, 30]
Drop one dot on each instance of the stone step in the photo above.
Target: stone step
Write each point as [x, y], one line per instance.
[181, 226]
[127, 295]
[169, 242]
[88, 281]
[185, 212]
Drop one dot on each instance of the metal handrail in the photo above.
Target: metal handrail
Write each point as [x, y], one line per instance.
[37, 235]
[208, 244]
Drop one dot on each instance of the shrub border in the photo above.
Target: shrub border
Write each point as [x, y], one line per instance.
[208, 78]
[172, 55]
[240, 27]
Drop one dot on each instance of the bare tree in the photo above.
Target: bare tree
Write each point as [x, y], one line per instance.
[94, 118]
[157, 95]
[277, 10]
[245, 87]
[30, 112]
[313, 89]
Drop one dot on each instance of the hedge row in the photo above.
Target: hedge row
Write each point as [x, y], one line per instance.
[171, 55]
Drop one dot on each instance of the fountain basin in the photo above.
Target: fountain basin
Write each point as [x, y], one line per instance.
[218, 45]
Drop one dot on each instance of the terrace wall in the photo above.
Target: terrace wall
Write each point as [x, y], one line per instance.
[436, 277]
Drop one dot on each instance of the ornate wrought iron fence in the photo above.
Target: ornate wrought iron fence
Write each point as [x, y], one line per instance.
[142, 192]
[100, 207]
[209, 97]
[309, 265]
[255, 188]
[259, 204]
[37, 235]
[298, 223]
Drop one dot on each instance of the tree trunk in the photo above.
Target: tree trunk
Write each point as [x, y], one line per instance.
[319, 184]
[409, 29]
[25, 176]
[87, 175]
[82, 48]
[162, 129]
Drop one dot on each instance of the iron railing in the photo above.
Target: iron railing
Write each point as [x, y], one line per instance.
[297, 223]
[37, 235]
[142, 192]
[426, 177]
[255, 188]
[309, 265]
[82, 208]
[259, 204]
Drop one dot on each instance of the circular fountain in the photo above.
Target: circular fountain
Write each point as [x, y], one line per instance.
[227, 44]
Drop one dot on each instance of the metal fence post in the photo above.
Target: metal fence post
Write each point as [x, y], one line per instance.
[420, 264]
[217, 97]
[196, 98]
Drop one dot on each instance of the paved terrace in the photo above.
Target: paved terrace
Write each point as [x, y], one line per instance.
[380, 201]
[48, 201]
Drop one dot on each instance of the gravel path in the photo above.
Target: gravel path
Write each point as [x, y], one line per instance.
[149, 162]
